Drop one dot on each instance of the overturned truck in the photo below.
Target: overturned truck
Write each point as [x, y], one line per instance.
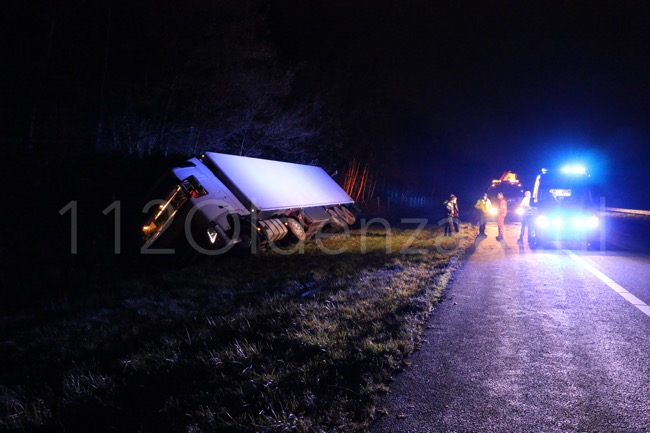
[217, 202]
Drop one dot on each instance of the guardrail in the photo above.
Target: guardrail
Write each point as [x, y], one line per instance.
[630, 211]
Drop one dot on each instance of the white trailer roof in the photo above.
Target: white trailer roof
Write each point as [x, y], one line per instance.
[279, 185]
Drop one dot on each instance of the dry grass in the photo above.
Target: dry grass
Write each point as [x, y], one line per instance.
[301, 342]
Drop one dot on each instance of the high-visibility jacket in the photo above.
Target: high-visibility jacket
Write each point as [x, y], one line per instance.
[483, 205]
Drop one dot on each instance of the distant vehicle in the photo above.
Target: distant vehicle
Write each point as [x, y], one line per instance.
[510, 186]
[216, 202]
[567, 203]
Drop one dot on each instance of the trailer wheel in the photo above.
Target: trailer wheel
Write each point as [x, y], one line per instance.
[345, 214]
[296, 233]
[296, 229]
[335, 224]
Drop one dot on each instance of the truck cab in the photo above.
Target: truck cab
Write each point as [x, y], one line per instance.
[566, 203]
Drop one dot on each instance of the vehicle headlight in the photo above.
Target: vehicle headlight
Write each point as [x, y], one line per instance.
[581, 222]
[542, 221]
[519, 211]
[493, 211]
[578, 222]
[558, 222]
[592, 221]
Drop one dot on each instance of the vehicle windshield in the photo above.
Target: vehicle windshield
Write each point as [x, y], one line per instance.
[565, 190]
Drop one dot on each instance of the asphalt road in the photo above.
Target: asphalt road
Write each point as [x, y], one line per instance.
[546, 340]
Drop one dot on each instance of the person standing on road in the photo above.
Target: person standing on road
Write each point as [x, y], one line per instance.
[483, 205]
[526, 218]
[501, 218]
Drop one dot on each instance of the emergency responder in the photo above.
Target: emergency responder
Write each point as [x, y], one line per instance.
[526, 218]
[501, 218]
[451, 212]
[483, 205]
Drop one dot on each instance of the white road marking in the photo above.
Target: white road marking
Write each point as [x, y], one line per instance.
[645, 308]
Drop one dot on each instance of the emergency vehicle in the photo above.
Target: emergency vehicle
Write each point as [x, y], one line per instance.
[567, 203]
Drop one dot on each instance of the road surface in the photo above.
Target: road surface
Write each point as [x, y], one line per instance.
[546, 340]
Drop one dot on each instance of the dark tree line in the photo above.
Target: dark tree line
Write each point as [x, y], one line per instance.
[143, 78]
[318, 82]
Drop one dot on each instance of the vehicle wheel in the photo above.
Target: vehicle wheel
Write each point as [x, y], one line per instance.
[345, 214]
[335, 223]
[296, 232]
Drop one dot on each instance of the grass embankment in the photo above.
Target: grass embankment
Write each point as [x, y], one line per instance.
[304, 343]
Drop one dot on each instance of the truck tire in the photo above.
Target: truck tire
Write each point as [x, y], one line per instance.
[296, 233]
[345, 214]
[335, 223]
[296, 229]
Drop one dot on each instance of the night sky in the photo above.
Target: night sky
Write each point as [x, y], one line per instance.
[507, 85]
[441, 96]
